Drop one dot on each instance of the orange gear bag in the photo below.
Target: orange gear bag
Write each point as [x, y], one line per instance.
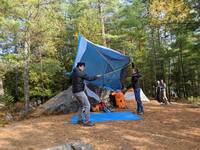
[120, 100]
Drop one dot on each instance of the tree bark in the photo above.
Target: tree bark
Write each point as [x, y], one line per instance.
[154, 54]
[26, 76]
[1, 87]
[169, 79]
[182, 71]
[102, 22]
[16, 83]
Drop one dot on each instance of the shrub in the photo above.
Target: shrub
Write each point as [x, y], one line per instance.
[7, 99]
[193, 99]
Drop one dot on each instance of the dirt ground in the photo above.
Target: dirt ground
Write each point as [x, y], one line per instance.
[174, 127]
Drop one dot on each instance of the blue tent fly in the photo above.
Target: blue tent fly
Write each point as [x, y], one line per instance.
[102, 60]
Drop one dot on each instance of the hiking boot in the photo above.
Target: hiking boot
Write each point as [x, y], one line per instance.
[140, 113]
[88, 124]
[80, 122]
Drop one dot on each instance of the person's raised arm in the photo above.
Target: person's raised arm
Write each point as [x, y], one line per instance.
[86, 77]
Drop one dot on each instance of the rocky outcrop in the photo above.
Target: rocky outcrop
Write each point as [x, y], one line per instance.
[64, 102]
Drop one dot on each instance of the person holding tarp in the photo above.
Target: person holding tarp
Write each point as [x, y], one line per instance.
[78, 76]
[136, 87]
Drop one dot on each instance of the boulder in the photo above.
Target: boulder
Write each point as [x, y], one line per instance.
[64, 102]
[78, 145]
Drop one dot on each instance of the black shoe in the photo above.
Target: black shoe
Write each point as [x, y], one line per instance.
[80, 122]
[88, 124]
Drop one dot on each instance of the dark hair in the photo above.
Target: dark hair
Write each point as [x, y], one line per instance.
[136, 70]
[133, 65]
[80, 64]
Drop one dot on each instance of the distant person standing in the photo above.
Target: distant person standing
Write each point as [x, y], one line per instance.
[136, 87]
[78, 87]
[158, 91]
[163, 92]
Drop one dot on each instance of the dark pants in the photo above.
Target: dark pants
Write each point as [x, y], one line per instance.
[140, 107]
[158, 96]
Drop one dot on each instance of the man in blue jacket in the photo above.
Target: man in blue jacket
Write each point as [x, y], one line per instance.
[78, 87]
[136, 87]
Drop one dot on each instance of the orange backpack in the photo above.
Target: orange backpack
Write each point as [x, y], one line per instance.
[119, 98]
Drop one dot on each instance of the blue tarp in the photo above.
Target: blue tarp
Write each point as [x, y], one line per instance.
[102, 60]
[111, 116]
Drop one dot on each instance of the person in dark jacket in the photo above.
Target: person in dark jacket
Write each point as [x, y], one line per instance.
[78, 76]
[158, 92]
[136, 87]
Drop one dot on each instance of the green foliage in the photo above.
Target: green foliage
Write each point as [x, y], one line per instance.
[13, 83]
[7, 99]
[193, 100]
[43, 77]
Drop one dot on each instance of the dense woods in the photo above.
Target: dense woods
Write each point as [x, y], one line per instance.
[38, 42]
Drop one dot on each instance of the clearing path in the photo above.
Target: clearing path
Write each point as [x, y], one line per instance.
[173, 127]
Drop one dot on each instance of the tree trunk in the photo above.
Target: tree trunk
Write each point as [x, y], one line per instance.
[1, 87]
[102, 22]
[197, 83]
[26, 75]
[182, 71]
[169, 79]
[154, 54]
[16, 83]
[41, 69]
[169, 69]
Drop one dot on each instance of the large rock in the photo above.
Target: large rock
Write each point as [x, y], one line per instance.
[64, 102]
[78, 145]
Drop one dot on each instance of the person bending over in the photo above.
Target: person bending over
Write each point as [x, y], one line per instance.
[78, 76]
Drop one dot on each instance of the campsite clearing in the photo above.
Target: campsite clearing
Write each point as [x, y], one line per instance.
[173, 127]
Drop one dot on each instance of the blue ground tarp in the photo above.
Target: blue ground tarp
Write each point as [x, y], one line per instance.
[112, 116]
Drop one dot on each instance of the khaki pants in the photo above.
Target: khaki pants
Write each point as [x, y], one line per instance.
[84, 106]
[164, 96]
